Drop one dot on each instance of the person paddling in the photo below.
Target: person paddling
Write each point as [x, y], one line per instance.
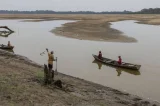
[100, 55]
[50, 61]
[119, 60]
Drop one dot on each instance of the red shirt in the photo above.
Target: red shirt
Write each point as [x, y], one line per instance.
[100, 56]
[120, 61]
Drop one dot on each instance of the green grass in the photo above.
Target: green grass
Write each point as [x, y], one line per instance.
[39, 75]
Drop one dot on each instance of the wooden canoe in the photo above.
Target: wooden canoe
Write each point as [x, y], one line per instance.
[114, 63]
[6, 47]
[118, 69]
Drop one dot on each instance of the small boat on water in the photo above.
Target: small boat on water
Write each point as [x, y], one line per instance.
[114, 63]
[118, 69]
[6, 47]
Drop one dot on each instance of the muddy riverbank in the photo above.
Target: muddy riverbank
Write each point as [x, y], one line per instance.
[21, 83]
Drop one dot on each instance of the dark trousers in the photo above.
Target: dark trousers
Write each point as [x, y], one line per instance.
[50, 66]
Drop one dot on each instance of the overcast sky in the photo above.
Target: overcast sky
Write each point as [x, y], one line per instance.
[76, 5]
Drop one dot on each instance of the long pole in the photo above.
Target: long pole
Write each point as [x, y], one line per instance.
[56, 66]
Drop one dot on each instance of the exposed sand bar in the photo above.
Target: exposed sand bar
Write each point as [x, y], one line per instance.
[90, 27]
[96, 30]
[21, 84]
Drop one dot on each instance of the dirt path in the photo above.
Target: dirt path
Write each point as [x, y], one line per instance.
[21, 83]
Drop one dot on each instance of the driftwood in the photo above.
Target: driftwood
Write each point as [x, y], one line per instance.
[5, 27]
[48, 75]
[6, 33]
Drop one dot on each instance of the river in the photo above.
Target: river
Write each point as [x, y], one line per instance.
[75, 56]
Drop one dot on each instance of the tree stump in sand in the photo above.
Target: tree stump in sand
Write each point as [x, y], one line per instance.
[45, 74]
[48, 75]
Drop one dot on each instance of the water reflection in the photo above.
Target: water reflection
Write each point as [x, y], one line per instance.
[35, 37]
[9, 50]
[119, 70]
[5, 33]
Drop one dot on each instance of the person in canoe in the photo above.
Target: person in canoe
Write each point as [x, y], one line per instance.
[50, 61]
[100, 55]
[119, 60]
[9, 44]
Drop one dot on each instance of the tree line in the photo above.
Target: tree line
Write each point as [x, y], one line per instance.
[143, 11]
[60, 12]
[150, 11]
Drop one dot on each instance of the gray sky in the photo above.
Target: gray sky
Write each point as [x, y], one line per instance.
[76, 5]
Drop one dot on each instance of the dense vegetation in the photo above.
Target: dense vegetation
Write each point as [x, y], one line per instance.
[59, 12]
[143, 11]
[150, 11]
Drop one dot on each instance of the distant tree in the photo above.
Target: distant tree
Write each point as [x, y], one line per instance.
[150, 11]
[60, 12]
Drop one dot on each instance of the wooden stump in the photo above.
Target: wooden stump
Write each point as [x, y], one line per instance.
[48, 75]
[45, 74]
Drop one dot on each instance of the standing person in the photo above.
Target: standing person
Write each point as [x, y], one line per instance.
[50, 62]
[119, 60]
[100, 55]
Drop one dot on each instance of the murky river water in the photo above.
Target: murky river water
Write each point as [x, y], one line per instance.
[75, 56]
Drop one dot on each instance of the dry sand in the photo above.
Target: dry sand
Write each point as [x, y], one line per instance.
[92, 30]
[90, 27]
[21, 83]
[98, 29]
